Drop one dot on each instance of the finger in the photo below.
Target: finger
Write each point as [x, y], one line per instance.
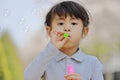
[61, 43]
[64, 40]
[71, 74]
[61, 37]
[58, 34]
[54, 34]
[67, 77]
[73, 78]
[70, 77]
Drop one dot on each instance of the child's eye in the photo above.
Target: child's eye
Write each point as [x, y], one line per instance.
[61, 24]
[74, 23]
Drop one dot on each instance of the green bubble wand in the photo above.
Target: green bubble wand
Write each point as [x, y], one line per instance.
[66, 35]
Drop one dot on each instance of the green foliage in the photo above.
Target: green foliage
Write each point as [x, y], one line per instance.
[98, 49]
[10, 65]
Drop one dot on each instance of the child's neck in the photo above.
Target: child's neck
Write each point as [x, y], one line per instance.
[69, 51]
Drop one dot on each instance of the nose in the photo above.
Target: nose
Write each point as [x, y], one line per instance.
[67, 29]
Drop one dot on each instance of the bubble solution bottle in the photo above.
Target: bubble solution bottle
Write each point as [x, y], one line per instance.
[70, 69]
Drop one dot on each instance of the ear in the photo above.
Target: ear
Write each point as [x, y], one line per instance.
[48, 30]
[85, 31]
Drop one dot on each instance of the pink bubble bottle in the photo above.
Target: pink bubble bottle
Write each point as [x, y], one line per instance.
[70, 69]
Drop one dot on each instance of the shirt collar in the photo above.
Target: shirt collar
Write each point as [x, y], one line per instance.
[78, 56]
[60, 56]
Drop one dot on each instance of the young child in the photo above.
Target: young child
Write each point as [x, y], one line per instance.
[66, 24]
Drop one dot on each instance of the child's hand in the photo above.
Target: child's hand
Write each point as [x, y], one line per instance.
[72, 76]
[58, 39]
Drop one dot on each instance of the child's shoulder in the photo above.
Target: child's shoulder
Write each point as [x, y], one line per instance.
[91, 59]
[94, 62]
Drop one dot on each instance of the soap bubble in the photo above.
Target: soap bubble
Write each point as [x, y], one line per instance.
[36, 12]
[6, 12]
[22, 21]
[27, 28]
[39, 11]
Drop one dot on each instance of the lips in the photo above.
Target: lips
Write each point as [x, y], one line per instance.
[60, 33]
[69, 36]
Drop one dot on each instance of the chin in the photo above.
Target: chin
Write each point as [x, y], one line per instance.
[68, 45]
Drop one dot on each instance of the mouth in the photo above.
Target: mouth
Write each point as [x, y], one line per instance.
[66, 35]
[69, 36]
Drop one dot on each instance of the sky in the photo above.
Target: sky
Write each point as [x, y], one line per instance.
[20, 17]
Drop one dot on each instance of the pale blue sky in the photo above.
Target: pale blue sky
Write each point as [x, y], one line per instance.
[21, 16]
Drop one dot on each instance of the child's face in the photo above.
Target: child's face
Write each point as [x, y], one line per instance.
[72, 26]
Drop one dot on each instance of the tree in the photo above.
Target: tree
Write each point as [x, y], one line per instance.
[10, 64]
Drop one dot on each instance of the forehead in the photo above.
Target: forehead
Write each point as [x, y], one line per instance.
[56, 17]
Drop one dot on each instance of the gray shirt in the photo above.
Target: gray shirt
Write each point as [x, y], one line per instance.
[52, 64]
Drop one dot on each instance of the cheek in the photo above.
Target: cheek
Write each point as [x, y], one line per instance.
[58, 28]
[77, 32]
[77, 36]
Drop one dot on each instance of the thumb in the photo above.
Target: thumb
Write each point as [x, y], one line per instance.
[62, 43]
[64, 40]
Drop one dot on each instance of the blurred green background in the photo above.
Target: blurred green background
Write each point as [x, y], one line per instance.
[10, 64]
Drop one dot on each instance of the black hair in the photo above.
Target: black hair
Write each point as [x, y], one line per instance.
[66, 8]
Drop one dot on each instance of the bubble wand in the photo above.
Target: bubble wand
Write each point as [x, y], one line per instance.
[70, 69]
[66, 35]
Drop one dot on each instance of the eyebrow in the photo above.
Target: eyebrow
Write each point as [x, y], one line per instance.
[61, 18]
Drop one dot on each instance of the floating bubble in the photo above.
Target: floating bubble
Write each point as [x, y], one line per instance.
[6, 12]
[39, 11]
[27, 29]
[36, 12]
[22, 21]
